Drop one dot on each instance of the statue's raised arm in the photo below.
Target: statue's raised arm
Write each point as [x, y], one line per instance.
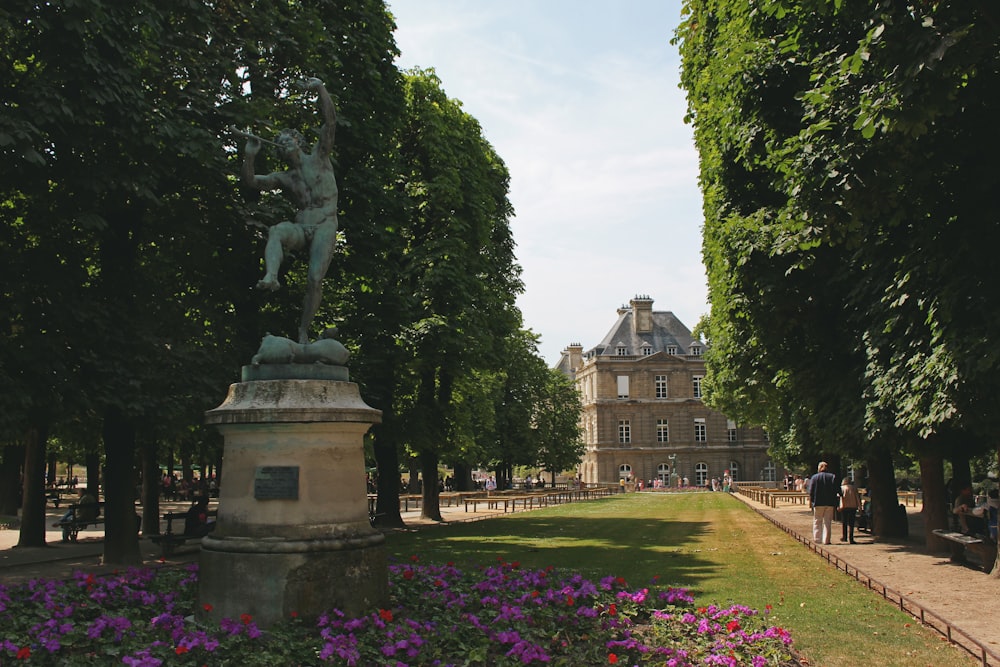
[328, 131]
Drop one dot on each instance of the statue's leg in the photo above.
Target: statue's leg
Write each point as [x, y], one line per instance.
[324, 242]
[281, 237]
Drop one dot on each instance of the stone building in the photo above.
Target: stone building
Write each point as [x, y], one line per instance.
[643, 417]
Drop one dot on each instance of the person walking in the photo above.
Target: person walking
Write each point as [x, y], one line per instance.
[850, 503]
[822, 500]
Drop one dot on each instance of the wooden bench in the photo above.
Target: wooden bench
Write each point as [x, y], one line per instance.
[985, 550]
[169, 541]
[71, 528]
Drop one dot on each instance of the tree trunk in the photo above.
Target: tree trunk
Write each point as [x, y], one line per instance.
[50, 468]
[94, 478]
[463, 477]
[121, 540]
[32, 532]
[430, 506]
[11, 461]
[387, 468]
[935, 509]
[885, 504]
[961, 473]
[150, 489]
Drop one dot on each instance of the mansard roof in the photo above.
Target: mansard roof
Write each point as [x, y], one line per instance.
[667, 330]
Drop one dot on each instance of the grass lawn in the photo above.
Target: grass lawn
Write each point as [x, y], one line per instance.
[711, 544]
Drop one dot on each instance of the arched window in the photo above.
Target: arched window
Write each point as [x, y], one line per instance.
[701, 474]
[624, 471]
[734, 471]
[663, 473]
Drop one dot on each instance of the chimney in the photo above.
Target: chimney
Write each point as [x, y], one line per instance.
[642, 314]
[575, 353]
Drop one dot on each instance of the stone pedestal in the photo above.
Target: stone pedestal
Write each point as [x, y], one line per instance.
[293, 534]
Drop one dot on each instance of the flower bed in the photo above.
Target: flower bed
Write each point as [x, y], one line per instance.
[439, 615]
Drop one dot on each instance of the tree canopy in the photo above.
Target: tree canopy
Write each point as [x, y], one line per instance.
[845, 152]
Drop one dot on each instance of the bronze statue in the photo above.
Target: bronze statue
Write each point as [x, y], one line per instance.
[309, 182]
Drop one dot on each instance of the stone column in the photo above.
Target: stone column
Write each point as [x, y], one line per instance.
[292, 534]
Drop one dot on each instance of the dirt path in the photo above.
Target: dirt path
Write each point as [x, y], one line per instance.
[964, 597]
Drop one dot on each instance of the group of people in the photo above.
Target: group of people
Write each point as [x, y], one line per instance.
[174, 488]
[826, 496]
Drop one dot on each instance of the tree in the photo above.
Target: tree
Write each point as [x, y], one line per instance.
[557, 424]
[845, 172]
[458, 266]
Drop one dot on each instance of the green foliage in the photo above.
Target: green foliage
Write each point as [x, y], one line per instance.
[844, 164]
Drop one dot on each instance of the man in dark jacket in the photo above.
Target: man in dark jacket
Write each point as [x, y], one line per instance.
[822, 499]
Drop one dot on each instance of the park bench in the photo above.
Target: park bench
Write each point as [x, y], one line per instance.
[169, 541]
[984, 549]
[72, 527]
[55, 495]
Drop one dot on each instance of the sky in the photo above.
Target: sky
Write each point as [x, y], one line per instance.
[580, 99]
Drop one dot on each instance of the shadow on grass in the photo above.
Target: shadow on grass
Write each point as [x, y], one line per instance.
[642, 550]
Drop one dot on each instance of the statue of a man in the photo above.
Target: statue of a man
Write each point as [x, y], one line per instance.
[309, 182]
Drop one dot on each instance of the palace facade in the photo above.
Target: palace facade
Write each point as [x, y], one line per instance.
[643, 417]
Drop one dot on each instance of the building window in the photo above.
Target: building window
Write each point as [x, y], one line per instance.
[696, 385]
[671, 349]
[624, 471]
[621, 350]
[624, 431]
[646, 351]
[661, 386]
[769, 474]
[700, 435]
[734, 471]
[662, 431]
[696, 350]
[663, 473]
[731, 430]
[622, 386]
[701, 474]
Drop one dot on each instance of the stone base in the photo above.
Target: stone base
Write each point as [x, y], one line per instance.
[284, 577]
[292, 534]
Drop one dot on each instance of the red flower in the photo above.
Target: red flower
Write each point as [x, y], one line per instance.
[613, 610]
[620, 581]
[414, 558]
[24, 653]
[767, 607]
[612, 659]
[438, 582]
[385, 615]
[569, 600]
[295, 614]
[246, 618]
[407, 574]
[535, 594]
[516, 564]
[207, 607]
[181, 650]
[732, 626]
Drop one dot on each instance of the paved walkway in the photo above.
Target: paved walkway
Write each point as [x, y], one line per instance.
[958, 600]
